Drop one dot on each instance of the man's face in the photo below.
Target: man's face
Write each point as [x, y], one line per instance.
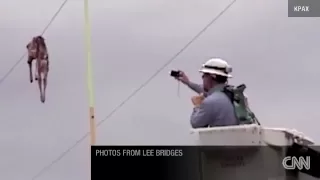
[207, 81]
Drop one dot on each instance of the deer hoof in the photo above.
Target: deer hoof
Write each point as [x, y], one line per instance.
[36, 78]
[42, 99]
[31, 81]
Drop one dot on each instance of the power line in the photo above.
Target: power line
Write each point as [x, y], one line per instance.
[63, 154]
[167, 63]
[24, 55]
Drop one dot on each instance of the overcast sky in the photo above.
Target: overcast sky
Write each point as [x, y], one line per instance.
[276, 56]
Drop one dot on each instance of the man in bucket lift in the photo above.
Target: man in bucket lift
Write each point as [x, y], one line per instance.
[218, 103]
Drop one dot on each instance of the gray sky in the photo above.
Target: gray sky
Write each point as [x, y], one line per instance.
[276, 56]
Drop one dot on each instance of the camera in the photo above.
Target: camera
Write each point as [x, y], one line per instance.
[174, 73]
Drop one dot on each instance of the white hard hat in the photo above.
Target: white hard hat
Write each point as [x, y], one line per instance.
[217, 66]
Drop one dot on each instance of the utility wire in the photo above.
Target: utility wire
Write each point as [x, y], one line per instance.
[24, 55]
[63, 154]
[167, 63]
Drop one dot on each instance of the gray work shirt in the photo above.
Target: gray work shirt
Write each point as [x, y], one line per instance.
[215, 110]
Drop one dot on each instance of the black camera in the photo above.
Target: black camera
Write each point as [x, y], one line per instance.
[175, 73]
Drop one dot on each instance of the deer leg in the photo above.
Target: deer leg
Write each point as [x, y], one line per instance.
[45, 81]
[39, 81]
[45, 77]
[40, 89]
[43, 95]
[30, 68]
[36, 74]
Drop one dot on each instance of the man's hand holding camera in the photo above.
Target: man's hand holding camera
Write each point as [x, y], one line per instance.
[182, 77]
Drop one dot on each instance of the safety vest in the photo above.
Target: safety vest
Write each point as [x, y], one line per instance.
[238, 99]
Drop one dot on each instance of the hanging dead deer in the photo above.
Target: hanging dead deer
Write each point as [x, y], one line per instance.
[37, 50]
